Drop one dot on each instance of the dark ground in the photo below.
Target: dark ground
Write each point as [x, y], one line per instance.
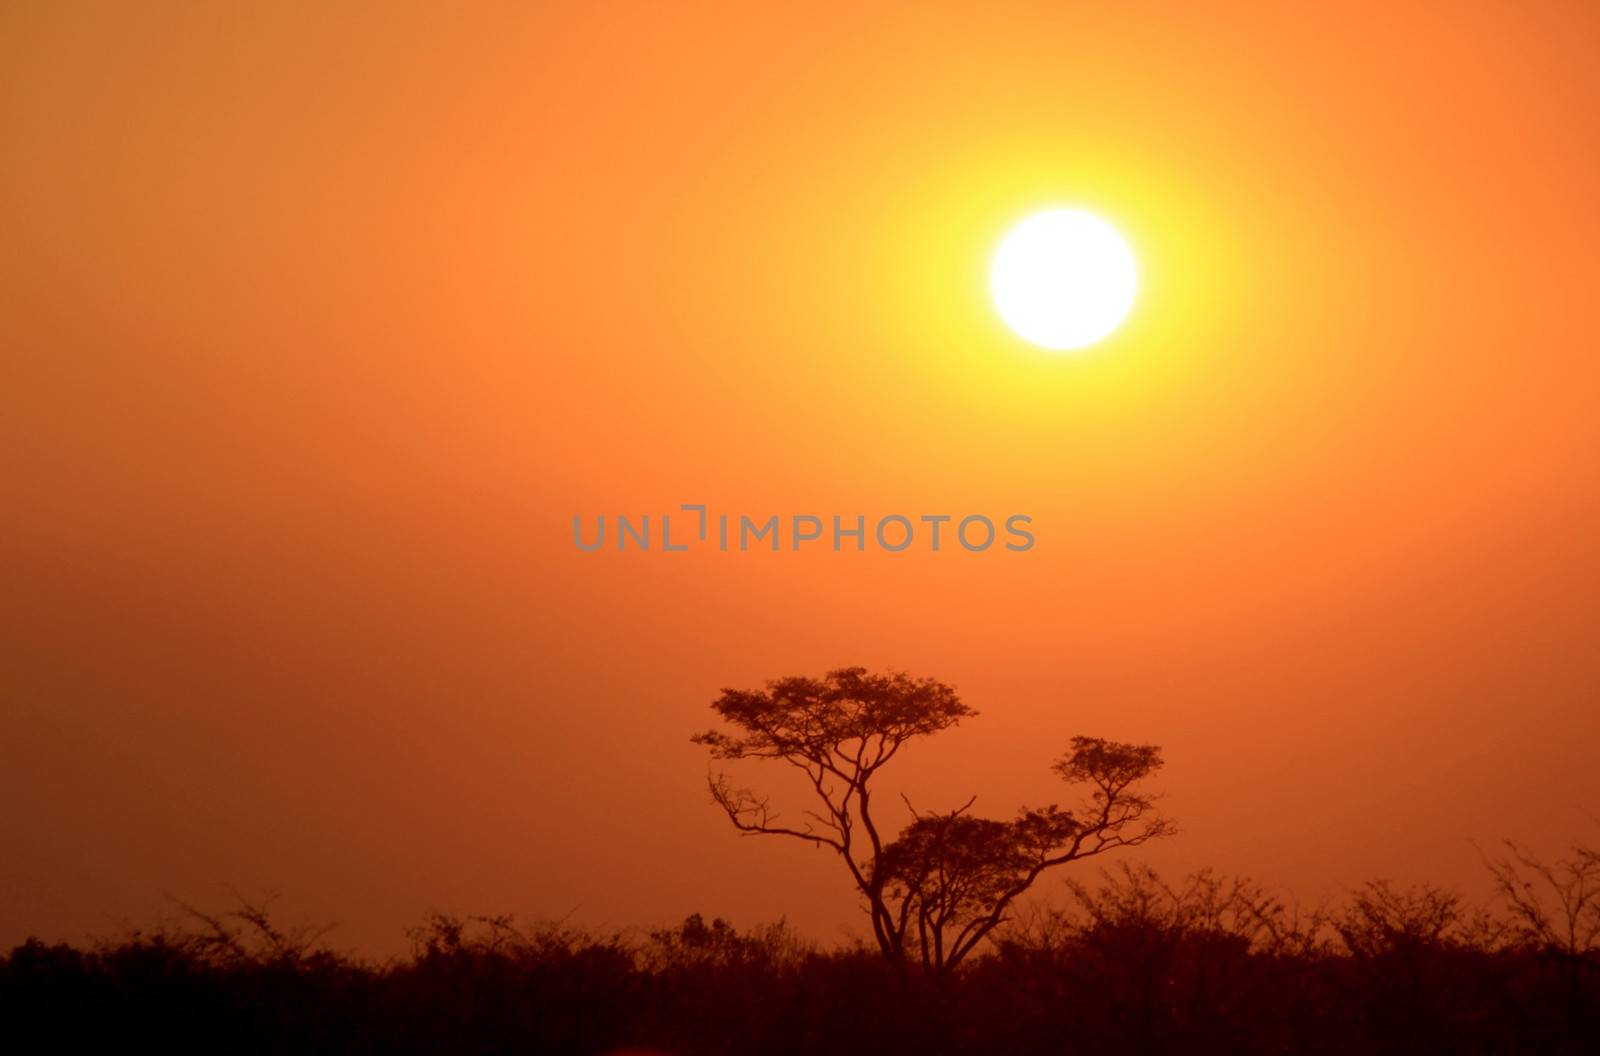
[1134, 966]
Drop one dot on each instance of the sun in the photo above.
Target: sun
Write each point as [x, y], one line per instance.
[1063, 279]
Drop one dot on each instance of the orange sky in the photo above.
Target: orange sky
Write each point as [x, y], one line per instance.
[319, 329]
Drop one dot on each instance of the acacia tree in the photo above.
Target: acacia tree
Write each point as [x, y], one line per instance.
[948, 880]
[840, 731]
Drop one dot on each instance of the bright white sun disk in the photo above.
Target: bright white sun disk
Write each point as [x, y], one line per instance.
[1063, 279]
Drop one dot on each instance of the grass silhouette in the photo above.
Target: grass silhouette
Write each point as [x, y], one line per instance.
[1130, 964]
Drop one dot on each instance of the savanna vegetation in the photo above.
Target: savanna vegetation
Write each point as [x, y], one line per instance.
[1128, 963]
[958, 961]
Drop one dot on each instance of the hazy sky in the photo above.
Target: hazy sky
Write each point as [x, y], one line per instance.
[320, 326]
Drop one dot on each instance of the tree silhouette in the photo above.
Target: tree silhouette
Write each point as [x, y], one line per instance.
[1556, 905]
[948, 880]
[839, 730]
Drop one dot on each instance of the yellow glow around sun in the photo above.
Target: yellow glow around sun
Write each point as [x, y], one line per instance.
[1063, 279]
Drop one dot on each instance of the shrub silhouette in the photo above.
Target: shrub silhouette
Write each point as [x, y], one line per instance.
[1131, 963]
